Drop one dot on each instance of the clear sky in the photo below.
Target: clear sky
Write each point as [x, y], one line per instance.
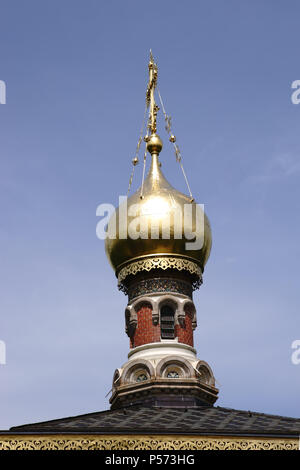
[76, 73]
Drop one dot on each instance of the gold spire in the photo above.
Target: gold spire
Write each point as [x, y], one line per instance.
[150, 99]
[154, 143]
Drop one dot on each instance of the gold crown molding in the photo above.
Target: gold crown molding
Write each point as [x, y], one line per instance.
[160, 262]
[146, 442]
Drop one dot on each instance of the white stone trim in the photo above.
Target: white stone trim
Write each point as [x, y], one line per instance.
[177, 301]
[162, 349]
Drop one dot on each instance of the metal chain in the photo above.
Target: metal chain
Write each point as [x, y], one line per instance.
[172, 139]
[130, 179]
[143, 178]
[135, 160]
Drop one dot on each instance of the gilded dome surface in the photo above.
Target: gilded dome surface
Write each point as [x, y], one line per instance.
[158, 210]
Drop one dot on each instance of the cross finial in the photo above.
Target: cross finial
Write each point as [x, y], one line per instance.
[150, 100]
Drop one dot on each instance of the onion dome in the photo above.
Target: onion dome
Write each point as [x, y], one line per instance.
[158, 226]
[157, 207]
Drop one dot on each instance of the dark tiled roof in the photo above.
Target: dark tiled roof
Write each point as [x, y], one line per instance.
[156, 420]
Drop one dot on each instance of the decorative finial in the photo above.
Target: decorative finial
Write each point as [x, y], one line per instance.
[150, 99]
[154, 143]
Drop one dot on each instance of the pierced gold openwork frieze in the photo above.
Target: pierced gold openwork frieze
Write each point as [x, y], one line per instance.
[131, 442]
[161, 262]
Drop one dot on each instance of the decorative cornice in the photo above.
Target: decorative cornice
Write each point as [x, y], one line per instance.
[162, 389]
[159, 285]
[144, 442]
[183, 349]
[163, 262]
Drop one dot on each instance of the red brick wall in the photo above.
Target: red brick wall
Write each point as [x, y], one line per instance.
[145, 331]
[185, 335]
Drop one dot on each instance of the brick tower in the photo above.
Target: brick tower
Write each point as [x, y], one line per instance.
[158, 243]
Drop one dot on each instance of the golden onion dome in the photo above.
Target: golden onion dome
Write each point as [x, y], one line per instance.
[161, 208]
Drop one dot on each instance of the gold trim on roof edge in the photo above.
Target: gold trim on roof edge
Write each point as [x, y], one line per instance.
[144, 442]
[159, 262]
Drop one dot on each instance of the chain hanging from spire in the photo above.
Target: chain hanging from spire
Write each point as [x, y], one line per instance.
[143, 178]
[172, 139]
[151, 124]
[152, 127]
[135, 159]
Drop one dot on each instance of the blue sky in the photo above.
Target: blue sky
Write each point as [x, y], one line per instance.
[76, 73]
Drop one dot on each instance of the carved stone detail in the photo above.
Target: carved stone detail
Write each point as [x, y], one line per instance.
[130, 321]
[159, 285]
[181, 305]
[190, 309]
[152, 302]
[170, 374]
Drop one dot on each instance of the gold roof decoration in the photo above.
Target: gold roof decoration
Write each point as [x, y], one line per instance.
[155, 224]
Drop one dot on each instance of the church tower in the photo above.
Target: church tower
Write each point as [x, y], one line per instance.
[158, 243]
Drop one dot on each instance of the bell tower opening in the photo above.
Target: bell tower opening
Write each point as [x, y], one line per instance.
[167, 316]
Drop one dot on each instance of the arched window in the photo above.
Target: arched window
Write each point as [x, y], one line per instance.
[167, 322]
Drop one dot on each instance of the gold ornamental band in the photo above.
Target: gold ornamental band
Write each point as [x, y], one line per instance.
[159, 262]
[144, 442]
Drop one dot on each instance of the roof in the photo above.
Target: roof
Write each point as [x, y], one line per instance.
[160, 420]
